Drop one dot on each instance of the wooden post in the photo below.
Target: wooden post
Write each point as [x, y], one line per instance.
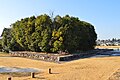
[32, 75]
[50, 71]
[9, 78]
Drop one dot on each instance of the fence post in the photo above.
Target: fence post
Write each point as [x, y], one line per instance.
[9, 78]
[50, 71]
[32, 75]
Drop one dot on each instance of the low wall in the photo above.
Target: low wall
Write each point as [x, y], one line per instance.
[50, 56]
[74, 56]
[33, 55]
[55, 57]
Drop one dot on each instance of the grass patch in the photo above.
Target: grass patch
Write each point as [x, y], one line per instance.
[3, 54]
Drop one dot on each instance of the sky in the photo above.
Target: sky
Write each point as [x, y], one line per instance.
[103, 14]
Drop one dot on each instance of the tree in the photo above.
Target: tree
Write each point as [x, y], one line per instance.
[44, 34]
[43, 26]
[0, 44]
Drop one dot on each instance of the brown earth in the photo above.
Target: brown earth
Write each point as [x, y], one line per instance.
[108, 47]
[82, 69]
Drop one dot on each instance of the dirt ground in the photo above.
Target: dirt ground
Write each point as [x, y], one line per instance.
[108, 47]
[82, 69]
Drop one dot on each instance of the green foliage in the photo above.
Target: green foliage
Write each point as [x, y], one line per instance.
[6, 37]
[44, 34]
[8, 41]
[0, 44]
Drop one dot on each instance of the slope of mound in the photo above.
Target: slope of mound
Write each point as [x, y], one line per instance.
[115, 76]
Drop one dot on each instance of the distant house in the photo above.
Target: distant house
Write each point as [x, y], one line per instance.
[103, 44]
[116, 43]
[113, 42]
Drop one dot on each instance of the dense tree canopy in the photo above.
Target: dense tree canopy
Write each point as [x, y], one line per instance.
[0, 44]
[44, 34]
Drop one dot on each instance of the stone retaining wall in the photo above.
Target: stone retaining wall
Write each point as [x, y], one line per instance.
[55, 57]
[48, 57]
[33, 55]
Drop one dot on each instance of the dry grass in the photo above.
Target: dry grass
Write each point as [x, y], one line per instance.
[4, 54]
[115, 76]
[83, 69]
[108, 47]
